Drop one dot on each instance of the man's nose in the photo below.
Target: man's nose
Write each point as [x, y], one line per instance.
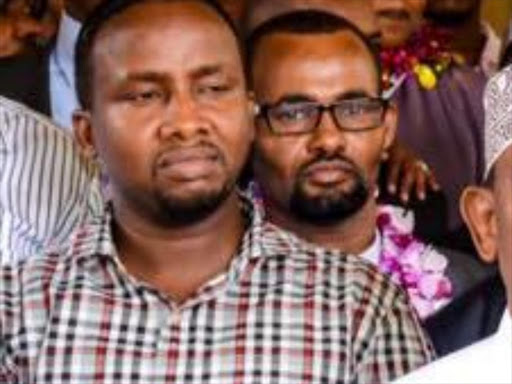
[184, 119]
[328, 137]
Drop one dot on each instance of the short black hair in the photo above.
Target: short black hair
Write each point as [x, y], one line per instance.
[99, 18]
[308, 21]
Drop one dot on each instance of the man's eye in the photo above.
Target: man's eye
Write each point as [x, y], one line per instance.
[213, 89]
[143, 97]
[292, 114]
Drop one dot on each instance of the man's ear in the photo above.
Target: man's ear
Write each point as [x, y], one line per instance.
[83, 133]
[390, 125]
[478, 209]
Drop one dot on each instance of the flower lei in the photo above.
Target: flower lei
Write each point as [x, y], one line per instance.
[425, 56]
[415, 266]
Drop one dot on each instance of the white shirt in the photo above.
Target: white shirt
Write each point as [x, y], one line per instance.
[372, 253]
[47, 188]
[486, 362]
[63, 99]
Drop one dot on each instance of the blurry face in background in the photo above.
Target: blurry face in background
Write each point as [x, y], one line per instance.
[21, 30]
[359, 12]
[397, 20]
[451, 11]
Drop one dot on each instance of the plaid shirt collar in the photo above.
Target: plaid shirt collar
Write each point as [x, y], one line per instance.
[93, 246]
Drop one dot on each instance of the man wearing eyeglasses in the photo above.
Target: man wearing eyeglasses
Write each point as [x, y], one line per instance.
[322, 129]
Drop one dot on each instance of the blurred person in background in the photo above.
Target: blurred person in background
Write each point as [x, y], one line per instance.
[44, 80]
[466, 33]
[439, 103]
[24, 26]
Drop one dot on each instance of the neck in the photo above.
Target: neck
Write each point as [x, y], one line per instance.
[352, 235]
[179, 260]
[466, 38]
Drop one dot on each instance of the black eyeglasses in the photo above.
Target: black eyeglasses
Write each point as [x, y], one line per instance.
[293, 118]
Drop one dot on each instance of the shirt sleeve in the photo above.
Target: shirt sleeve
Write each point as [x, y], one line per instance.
[398, 345]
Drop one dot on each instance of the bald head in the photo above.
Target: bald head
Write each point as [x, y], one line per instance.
[357, 11]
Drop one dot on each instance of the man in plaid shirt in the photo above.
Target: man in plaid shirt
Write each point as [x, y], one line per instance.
[180, 281]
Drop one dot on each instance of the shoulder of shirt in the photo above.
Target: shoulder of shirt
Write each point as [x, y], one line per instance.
[19, 109]
[360, 279]
[35, 271]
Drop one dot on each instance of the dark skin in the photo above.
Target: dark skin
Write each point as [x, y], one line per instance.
[169, 118]
[398, 19]
[466, 36]
[406, 177]
[487, 212]
[321, 68]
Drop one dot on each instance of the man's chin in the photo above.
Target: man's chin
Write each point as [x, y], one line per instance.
[178, 209]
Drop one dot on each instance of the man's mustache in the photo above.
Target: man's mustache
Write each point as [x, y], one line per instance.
[394, 14]
[343, 162]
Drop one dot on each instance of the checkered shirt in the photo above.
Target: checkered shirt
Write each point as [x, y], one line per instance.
[284, 312]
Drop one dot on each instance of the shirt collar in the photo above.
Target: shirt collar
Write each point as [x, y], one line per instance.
[64, 52]
[95, 238]
[372, 253]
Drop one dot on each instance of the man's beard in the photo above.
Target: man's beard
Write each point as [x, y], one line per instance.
[174, 211]
[329, 207]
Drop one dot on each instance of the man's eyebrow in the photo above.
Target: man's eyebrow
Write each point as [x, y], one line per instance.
[207, 70]
[151, 77]
[294, 98]
[354, 94]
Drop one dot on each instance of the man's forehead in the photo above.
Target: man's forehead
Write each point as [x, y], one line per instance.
[299, 63]
[193, 34]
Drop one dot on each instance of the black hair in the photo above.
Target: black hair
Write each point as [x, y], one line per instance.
[99, 18]
[306, 22]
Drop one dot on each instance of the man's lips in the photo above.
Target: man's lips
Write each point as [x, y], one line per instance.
[327, 173]
[189, 163]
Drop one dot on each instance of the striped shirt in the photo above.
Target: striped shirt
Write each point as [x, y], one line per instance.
[46, 188]
[284, 312]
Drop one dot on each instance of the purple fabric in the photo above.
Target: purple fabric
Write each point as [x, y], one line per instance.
[444, 126]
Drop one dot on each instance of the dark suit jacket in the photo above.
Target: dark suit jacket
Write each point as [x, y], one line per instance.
[476, 309]
[26, 79]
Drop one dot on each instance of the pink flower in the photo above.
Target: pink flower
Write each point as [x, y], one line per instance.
[418, 268]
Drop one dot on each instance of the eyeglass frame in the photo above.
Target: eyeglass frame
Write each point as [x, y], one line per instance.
[262, 111]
